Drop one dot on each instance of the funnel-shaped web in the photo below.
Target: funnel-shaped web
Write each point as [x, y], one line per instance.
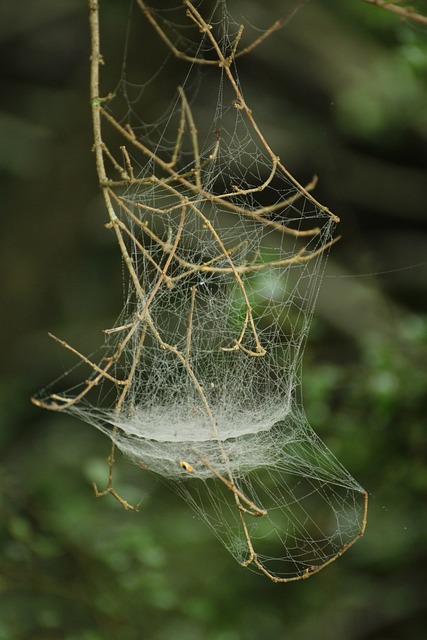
[224, 251]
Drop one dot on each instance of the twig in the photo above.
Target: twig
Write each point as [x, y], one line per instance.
[407, 13]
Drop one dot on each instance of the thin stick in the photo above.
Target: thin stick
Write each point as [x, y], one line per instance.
[309, 571]
[109, 490]
[190, 324]
[407, 13]
[94, 366]
[180, 133]
[194, 136]
[96, 101]
[254, 510]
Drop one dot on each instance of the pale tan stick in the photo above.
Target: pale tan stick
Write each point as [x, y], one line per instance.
[408, 13]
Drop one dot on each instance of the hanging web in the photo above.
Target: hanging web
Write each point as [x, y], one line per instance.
[224, 251]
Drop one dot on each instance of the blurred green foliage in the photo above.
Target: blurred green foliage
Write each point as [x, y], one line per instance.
[76, 567]
[344, 95]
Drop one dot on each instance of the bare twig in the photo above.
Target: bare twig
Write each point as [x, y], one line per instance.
[407, 13]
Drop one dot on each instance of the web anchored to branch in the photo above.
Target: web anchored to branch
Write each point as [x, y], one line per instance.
[224, 251]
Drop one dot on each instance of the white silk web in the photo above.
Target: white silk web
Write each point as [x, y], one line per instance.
[225, 252]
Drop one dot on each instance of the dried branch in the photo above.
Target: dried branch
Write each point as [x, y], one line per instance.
[407, 13]
[180, 200]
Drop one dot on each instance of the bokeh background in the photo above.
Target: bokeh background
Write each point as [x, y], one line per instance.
[342, 92]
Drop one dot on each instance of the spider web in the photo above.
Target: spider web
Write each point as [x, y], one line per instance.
[225, 251]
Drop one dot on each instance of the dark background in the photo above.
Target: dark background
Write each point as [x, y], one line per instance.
[342, 92]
